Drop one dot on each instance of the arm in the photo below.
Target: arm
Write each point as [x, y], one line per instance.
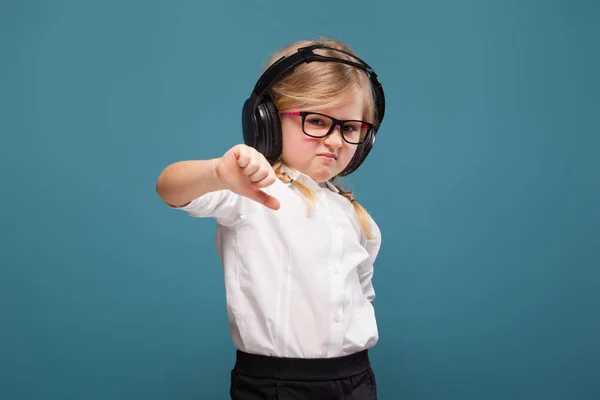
[219, 187]
[184, 181]
[365, 270]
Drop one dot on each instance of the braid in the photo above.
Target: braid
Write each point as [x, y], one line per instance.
[305, 190]
[361, 213]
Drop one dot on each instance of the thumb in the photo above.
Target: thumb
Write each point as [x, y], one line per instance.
[264, 198]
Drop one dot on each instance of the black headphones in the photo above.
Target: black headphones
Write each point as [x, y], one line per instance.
[261, 125]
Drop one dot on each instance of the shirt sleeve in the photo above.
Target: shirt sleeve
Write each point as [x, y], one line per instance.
[224, 206]
[365, 270]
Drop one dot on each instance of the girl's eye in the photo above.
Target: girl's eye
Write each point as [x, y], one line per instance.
[316, 121]
[352, 127]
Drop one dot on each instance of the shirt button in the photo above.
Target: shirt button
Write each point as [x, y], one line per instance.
[337, 318]
[335, 270]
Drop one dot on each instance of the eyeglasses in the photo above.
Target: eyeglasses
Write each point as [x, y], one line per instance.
[319, 125]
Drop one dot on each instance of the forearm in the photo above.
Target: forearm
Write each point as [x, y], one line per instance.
[184, 181]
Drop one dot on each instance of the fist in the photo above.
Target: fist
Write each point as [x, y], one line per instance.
[244, 171]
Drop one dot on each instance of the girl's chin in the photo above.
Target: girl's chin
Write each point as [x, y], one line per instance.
[323, 174]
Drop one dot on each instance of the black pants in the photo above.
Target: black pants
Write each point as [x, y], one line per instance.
[257, 377]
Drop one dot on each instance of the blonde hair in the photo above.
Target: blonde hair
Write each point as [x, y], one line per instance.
[319, 85]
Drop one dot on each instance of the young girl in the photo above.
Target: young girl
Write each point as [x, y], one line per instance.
[297, 250]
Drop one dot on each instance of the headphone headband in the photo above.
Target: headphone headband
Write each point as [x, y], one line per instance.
[260, 118]
[306, 54]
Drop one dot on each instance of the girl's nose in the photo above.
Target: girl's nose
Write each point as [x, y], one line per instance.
[334, 139]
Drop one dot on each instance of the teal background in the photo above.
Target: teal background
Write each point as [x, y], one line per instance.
[485, 181]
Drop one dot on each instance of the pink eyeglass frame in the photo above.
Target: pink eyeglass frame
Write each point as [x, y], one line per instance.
[339, 122]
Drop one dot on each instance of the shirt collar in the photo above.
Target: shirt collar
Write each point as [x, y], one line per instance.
[307, 180]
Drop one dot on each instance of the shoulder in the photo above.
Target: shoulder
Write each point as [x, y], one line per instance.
[231, 209]
[224, 206]
[375, 232]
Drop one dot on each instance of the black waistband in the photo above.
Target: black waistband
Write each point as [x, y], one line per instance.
[261, 366]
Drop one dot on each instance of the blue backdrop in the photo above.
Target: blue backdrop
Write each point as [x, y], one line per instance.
[485, 181]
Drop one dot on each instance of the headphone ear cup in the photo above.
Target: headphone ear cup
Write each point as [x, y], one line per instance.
[269, 130]
[249, 125]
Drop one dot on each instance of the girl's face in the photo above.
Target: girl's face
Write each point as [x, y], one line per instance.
[319, 158]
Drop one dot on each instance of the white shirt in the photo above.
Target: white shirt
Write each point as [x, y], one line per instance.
[297, 285]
